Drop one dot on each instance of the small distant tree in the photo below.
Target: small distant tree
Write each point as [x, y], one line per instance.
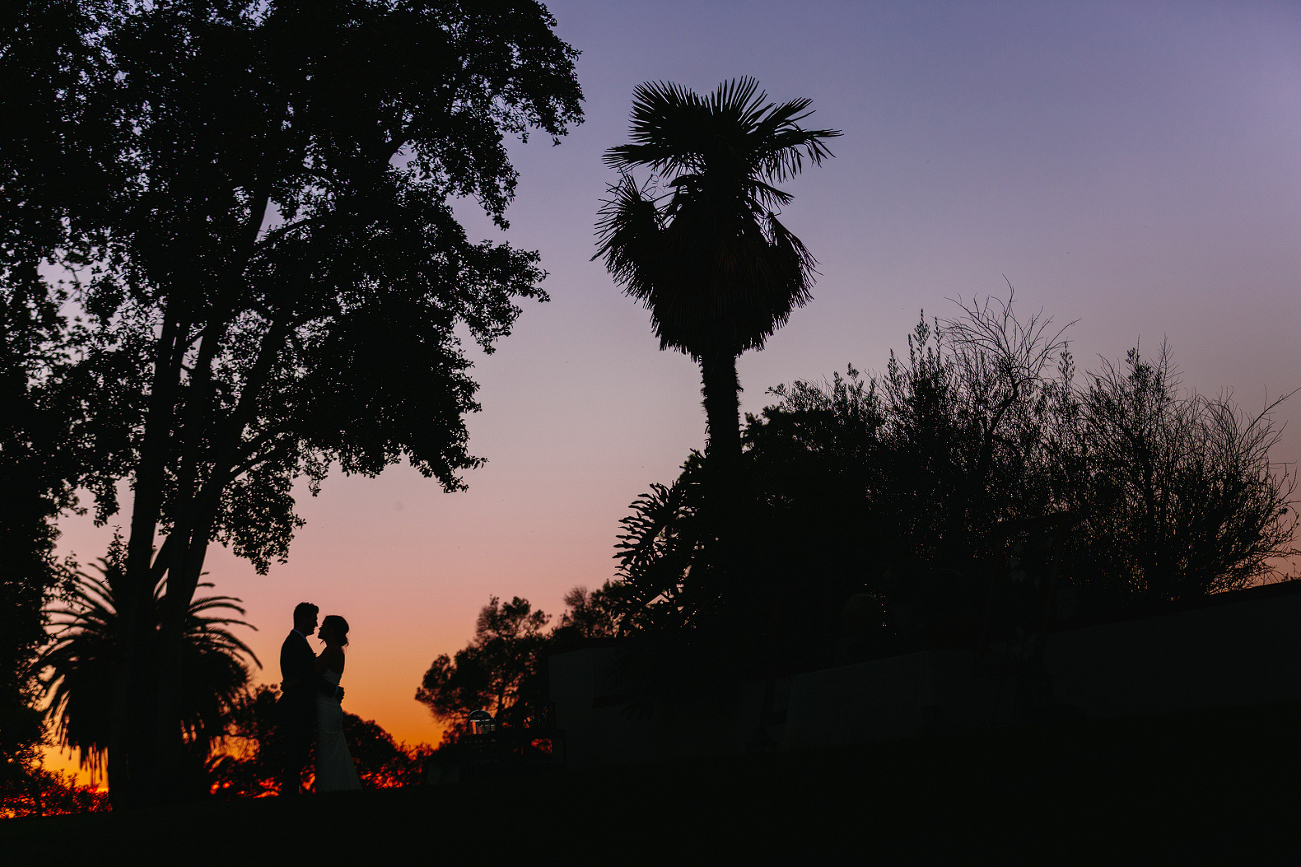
[499, 671]
[503, 669]
[382, 762]
[592, 613]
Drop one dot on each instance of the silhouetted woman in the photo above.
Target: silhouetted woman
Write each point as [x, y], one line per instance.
[334, 768]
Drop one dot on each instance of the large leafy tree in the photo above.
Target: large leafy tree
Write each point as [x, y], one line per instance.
[42, 456]
[710, 260]
[270, 268]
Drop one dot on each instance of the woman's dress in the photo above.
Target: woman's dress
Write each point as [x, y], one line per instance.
[335, 771]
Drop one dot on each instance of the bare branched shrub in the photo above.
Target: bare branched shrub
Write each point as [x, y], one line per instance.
[971, 421]
[1181, 499]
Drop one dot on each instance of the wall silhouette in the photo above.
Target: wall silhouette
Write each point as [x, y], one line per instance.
[1232, 649]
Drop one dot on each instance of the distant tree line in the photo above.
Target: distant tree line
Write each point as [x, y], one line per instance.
[885, 513]
[42, 792]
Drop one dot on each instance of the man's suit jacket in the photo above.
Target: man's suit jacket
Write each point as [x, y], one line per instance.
[299, 683]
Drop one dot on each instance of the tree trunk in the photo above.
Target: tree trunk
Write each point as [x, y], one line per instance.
[183, 573]
[130, 741]
[182, 579]
[723, 502]
[190, 536]
[721, 390]
[190, 530]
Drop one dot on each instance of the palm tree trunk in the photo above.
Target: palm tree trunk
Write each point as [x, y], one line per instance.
[723, 465]
[721, 390]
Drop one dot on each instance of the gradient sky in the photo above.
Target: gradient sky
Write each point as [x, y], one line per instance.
[1132, 166]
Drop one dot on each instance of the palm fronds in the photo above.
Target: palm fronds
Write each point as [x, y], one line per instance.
[709, 258]
[81, 662]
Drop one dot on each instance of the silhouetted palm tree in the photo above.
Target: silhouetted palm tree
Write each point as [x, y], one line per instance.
[85, 650]
[717, 270]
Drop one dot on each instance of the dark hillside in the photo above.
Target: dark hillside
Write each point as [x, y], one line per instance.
[1207, 787]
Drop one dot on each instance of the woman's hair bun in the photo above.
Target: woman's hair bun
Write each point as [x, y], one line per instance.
[337, 623]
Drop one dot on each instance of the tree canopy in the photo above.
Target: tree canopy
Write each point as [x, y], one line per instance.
[44, 454]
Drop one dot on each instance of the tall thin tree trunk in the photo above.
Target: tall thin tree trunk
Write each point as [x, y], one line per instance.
[190, 535]
[721, 390]
[182, 578]
[723, 502]
[130, 742]
[180, 584]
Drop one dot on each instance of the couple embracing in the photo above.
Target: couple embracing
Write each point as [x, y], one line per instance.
[310, 705]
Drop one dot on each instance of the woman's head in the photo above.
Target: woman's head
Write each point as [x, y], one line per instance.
[334, 628]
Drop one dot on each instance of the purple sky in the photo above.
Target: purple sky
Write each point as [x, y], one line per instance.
[1135, 166]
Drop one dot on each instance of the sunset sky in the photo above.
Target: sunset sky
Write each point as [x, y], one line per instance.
[1132, 166]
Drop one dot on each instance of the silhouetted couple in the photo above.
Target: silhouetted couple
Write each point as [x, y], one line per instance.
[310, 706]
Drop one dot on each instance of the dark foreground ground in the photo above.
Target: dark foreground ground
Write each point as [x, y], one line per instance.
[1215, 786]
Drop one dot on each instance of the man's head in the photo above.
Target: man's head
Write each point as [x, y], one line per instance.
[305, 617]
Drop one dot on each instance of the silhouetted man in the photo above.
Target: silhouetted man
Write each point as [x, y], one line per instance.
[296, 708]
